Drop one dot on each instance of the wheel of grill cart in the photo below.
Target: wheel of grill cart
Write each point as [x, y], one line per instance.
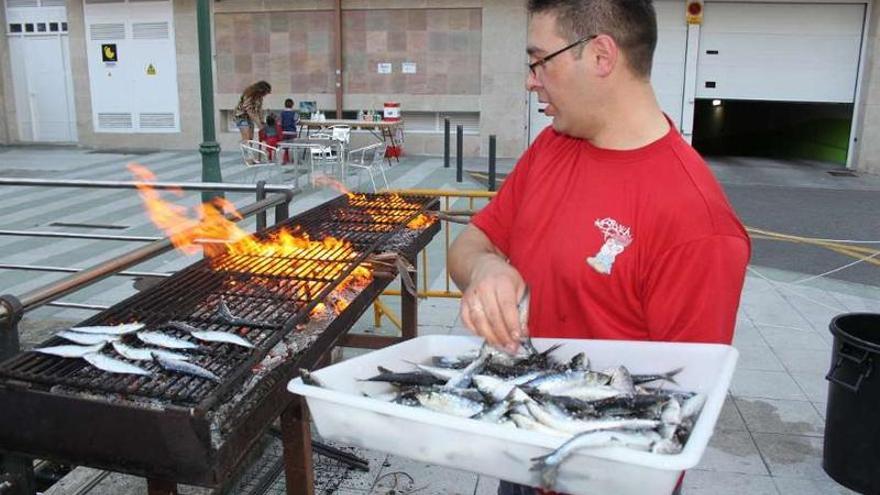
[851, 454]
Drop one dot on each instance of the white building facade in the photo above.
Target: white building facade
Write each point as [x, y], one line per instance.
[124, 73]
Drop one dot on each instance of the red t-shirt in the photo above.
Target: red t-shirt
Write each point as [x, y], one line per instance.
[630, 245]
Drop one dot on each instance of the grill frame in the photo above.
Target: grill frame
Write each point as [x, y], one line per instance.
[171, 443]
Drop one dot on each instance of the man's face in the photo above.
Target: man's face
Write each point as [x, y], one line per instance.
[560, 81]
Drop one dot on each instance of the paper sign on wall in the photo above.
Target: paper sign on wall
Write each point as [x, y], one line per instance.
[384, 68]
[408, 67]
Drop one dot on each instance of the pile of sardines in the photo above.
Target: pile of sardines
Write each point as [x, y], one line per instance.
[535, 391]
[131, 343]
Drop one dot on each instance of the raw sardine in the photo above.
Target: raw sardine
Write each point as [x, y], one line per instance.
[138, 354]
[71, 351]
[163, 340]
[177, 366]
[123, 329]
[111, 365]
[87, 338]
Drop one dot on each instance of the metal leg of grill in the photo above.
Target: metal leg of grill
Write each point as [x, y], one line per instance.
[161, 487]
[17, 476]
[296, 437]
[16, 473]
[409, 305]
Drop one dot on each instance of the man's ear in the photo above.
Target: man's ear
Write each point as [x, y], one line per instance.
[604, 54]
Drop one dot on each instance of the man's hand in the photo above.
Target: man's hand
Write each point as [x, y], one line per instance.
[489, 304]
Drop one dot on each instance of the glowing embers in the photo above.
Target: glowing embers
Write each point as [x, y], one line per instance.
[385, 201]
[421, 221]
[344, 293]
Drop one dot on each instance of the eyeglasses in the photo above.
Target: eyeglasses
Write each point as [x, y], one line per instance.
[546, 58]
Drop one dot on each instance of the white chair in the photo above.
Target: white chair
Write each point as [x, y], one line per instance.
[327, 152]
[368, 159]
[257, 156]
[301, 158]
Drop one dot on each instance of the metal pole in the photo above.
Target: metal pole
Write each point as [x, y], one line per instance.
[459, 147]
[261, 195]
[121, 184]
[73, 235]
[209, 148]
[446, 142]
[337, 46]
[72, 283]
[491, 162]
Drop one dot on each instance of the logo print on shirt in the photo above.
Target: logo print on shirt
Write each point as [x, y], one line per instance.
[617, 238]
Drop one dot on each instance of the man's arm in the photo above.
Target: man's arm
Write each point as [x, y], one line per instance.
[491, 288]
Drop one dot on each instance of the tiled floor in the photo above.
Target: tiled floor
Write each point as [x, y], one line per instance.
[768, 439]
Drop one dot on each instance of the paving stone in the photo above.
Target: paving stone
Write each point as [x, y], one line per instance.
[702, 482]
[758, 358]
[730, 418]
[784, 338]
[781, 416]
[793, 456]
[814, 384]
[765, 384]
[801, 486]
[796, 360]
[732, 452]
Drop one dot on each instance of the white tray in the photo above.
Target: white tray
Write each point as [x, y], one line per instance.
[341, 413]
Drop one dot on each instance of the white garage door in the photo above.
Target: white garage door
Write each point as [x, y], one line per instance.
[667, 76]
[780, 52]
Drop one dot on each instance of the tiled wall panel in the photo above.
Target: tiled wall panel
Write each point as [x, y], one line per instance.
[294, 51]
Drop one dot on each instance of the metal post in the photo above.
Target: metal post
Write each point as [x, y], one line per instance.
[19, 471]
[409, 304]
[296, 440]
[209, 148]
[445, 142]
[459, 147]
[491, 162]
[261, 195]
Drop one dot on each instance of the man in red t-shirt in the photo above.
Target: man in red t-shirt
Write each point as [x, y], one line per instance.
[614, 223]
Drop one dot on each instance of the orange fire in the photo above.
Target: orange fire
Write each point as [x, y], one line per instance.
[326, 181]
[420, 222]
[211, 224]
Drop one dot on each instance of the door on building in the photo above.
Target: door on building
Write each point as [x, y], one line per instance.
[778, 79]
[667, 75]
[42, 79]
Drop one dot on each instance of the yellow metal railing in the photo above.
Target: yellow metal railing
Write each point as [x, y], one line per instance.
[380, 309]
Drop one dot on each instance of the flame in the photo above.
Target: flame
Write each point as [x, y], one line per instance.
[211, 224]
[326, 181]
[421, 222]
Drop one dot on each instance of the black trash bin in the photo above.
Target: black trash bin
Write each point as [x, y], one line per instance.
[851, 455]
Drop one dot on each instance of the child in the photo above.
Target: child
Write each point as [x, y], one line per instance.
[271, 133]
[289, 119]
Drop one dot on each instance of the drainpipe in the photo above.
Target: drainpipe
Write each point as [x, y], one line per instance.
[338, 48]
[209, 148]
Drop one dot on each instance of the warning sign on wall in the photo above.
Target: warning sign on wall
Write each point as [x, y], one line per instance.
[151, 70]
[695, 12]
[109, 53]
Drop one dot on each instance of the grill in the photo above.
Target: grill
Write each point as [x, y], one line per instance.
[191, 430]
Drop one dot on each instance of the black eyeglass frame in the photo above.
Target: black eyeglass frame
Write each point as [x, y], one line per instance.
[546, 58]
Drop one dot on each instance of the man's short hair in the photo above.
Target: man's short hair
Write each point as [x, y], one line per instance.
[631, 23]
[288, 103]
